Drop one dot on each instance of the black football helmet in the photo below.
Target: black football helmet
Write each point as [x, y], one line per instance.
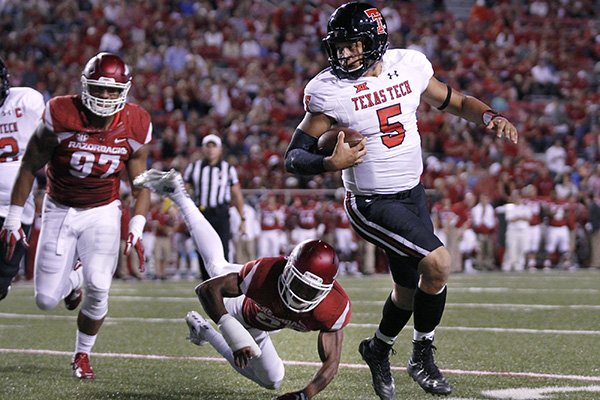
[4, 84]
[351, 22]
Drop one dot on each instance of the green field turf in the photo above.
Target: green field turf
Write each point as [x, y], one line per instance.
[537, 334]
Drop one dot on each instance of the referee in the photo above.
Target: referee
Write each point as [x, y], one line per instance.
[214, 186]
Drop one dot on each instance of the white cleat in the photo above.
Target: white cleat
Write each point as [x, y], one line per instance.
[164, 183]
[198, 327]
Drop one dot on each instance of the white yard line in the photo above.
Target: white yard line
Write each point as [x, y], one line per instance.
[351, 325]
[583, 378]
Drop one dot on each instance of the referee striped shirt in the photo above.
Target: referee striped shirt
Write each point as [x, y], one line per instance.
[211, 183]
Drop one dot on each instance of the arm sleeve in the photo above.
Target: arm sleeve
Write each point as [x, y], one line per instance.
[300, 157]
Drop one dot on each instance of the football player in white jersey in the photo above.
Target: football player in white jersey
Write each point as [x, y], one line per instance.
[376, 92]
[21, 110]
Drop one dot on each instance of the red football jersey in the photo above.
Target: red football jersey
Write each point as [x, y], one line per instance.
[84, 169]
[264, 309]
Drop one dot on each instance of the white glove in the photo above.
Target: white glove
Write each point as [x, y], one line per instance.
[12, 232]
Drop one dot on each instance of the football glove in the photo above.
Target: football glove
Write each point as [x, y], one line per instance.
[12, 232]
[299, 395]
[136, 228]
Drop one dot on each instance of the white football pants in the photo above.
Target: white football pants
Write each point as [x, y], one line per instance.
[67, 233]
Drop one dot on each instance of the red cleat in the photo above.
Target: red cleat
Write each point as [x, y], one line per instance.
[81, 367]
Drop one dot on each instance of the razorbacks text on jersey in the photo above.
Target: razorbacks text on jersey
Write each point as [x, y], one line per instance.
[84, 169]
[383, 109]
[20, 115]
[263, 308]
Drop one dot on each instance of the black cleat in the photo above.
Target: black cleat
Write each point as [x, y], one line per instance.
[423, 370]
[377, 356]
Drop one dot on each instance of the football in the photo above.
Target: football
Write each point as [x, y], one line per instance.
[327, 141]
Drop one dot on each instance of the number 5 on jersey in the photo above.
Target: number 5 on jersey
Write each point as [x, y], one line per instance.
[393, 132]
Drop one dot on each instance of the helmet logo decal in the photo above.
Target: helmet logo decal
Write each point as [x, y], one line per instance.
[361, 86]
[374, 14]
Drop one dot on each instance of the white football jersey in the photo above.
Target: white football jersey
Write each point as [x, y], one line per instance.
[384, 109]
[19, 116]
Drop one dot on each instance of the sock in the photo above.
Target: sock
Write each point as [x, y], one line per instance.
[428, 310]
[392, 322]
[84, 342]
[418, 336]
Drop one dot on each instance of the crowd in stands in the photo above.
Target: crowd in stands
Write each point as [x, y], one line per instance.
[238, 69]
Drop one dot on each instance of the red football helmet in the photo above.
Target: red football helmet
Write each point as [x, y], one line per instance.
[308, 275]
[105, 70]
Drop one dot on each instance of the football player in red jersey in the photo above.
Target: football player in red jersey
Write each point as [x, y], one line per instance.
[248, 301]
[85, 141]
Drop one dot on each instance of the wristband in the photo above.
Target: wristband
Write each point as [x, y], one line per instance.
[236, 336]
[136, 225]
[488, 116]
[13, 218]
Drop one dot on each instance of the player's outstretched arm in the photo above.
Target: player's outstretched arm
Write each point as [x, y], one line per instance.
[211, 294]
[136, 165]
[443, 97]
[330, 352]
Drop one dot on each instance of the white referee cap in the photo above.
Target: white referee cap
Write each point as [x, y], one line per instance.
[212, 138]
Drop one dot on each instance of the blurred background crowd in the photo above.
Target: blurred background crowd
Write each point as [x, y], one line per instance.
[238, 69]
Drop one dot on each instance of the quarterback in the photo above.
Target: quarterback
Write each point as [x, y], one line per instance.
[249, 301]
[21, 110]
[85, 141]
[377, 91]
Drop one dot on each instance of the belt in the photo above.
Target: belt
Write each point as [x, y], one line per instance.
[405, 194]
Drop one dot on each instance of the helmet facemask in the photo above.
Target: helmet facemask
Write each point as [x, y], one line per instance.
[301, 292]
[340, 65]
[101, 106]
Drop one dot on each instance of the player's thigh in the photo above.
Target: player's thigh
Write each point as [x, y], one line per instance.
[552, 238]
[55, 254]
[400, 226]
[98, 244]
[269, 366]
[564, 240]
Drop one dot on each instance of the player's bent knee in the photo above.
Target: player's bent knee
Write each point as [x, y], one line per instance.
[273, 384]
[45, 302]
[272, 377]
[95, 303]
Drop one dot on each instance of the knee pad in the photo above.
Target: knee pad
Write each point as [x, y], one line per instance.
[45, 302]
[95, 302]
